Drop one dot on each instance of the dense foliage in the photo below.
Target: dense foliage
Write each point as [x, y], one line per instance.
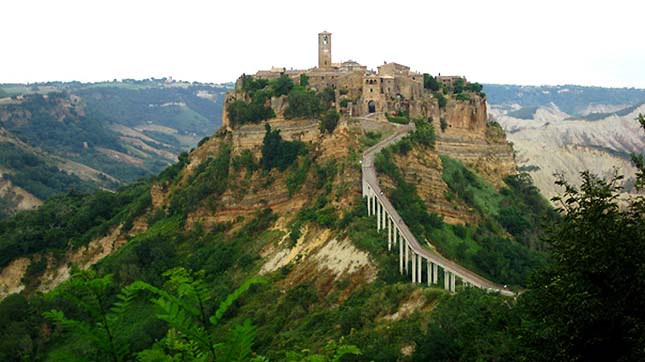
[278, 153]
[70, 219]
[36, 175]
[430, 82]
[303, 103]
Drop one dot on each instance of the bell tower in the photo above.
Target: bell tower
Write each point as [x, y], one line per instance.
[324, 50]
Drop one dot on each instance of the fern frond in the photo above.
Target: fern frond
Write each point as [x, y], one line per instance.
[226, 304]
[240, 341]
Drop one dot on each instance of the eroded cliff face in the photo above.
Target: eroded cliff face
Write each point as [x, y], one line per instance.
[469, 138]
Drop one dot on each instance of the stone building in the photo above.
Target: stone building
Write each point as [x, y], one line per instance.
[392, 89]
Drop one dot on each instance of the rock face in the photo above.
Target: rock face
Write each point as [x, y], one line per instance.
[469, 138]
[556, 144]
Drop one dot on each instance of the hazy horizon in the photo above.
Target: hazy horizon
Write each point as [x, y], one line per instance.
[499, 42]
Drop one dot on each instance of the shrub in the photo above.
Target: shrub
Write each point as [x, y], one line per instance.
[443, 124]
[441, 99]
[329, 121]
[240, 112]
[400, 119]
[424, 134]
[463, 97]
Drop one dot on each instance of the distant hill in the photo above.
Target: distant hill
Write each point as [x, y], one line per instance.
[572, 99]
[60, 136]
[569, 129]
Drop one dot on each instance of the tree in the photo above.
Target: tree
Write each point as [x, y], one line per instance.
[459, 86]
[303, 103]
[474, 87]
[328, 96]
[281, 85]
[588, 305]
[441, 99]
[430, 82]
[277, 152]
[304, 80]
[329, 121]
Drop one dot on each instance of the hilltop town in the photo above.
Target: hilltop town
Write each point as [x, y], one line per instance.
[393, 89]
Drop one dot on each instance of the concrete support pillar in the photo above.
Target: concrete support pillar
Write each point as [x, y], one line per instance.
[389, 233]
[429, 267]
[420, 269]
[446, 279]
[453, 281]
[414, 268]
[401, 257]
[435, 274]
[369, 206]
[383, 217]
[378, 215]
[407, 256]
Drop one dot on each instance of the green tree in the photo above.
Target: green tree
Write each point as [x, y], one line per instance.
[304, 80]
[303, 103]
[281, 85]
[329, 121]
[441, 99]
[472, 325]
[328, 96]
[430, 82]
[588, 305]
[278, 153]
[474, 87]
[459, 86]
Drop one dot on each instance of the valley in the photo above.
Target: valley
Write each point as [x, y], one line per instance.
[88, 136]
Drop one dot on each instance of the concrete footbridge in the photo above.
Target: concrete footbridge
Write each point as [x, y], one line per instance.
[412, 255]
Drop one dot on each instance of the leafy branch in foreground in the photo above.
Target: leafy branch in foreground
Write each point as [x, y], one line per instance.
[191, 336]
[89, 293]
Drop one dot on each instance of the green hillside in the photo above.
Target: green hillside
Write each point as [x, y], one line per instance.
[84, 136]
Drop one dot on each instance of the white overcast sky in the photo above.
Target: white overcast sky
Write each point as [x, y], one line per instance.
[521, 42]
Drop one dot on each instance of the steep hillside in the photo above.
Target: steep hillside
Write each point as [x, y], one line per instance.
[60, 136]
